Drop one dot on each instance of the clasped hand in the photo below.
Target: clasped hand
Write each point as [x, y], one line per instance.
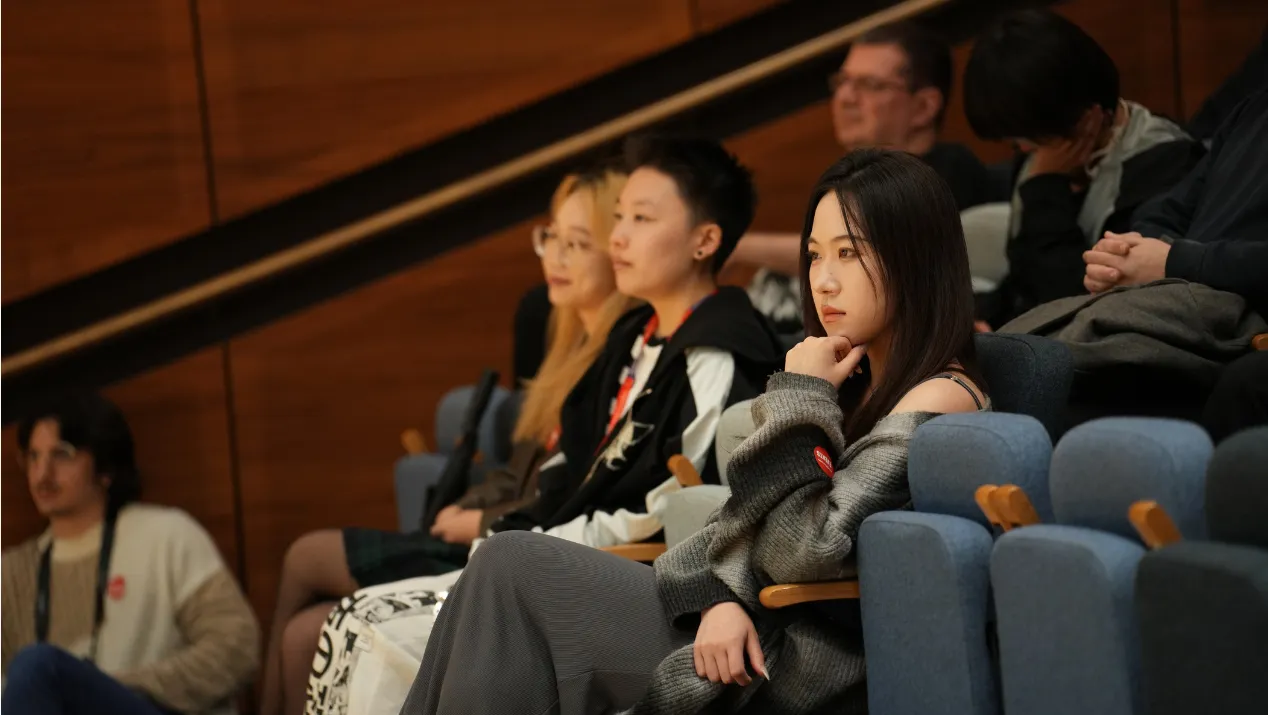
[1124, 259]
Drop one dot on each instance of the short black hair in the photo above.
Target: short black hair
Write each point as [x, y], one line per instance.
[1032, 76]
[710, 180]
[928, 57]
[94, 424]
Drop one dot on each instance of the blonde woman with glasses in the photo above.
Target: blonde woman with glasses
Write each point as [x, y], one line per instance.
[324, 566]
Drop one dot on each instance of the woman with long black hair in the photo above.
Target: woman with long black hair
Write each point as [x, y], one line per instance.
[537, 624]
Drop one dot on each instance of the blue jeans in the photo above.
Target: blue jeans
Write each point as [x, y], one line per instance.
[46, 680]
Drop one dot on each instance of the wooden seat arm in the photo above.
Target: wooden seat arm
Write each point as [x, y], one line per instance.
[1006, 506]
[982, 495]
[791, 594]
[645, 553]
[1260, 342]
[413, 442]
[1153, 523]
[1013, 506]
[684, 471]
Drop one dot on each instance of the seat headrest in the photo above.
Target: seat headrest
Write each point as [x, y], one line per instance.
[952, 455]
[497, 436]
[449, 414]
[734, 426]
[1237, 489]
[1026, 375]
[1102, 467]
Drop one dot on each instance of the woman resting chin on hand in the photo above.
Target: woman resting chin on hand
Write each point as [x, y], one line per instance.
[890, 346]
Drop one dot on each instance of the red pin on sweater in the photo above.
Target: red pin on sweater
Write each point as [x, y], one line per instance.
[825, 461]
[116, 588]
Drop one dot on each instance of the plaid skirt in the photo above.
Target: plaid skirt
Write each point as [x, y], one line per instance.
[377, 557]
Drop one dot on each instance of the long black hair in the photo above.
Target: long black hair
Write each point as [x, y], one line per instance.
[94, 424]
[908, 219]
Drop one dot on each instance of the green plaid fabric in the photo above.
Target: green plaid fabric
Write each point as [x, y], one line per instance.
[376, 557]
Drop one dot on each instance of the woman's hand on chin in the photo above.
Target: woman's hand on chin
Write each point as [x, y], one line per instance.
[832, 358]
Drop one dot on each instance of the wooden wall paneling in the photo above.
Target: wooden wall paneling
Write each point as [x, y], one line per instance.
[300, 93]
[786, 157]
[1139, 36]
[1216, 36]
[180, 422]
[180, 425]
[19, 520]
[712, 14]
[322, 396]
[103, 153]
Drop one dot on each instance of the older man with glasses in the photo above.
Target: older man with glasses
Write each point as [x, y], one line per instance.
[891, 91]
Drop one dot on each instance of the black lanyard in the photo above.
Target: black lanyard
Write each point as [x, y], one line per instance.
[42, 598]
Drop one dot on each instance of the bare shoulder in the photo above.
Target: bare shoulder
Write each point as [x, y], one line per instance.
[940, 395]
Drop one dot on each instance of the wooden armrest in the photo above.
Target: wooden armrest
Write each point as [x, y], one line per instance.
[983, 498]
[1013, 506]
[645, 553]
[413, 442]
[1153, 523]
[790, 594]
[1260, 342]
[684, 471]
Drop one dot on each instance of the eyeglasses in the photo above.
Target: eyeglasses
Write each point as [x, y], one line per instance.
[863, 84]
[546, 236]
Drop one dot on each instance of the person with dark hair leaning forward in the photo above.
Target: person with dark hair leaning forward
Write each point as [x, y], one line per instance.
[1039, 80]
[119, 608]
[1211, 229]
[537, 624]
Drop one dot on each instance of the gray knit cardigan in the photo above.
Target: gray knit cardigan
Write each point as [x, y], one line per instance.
[786, 521]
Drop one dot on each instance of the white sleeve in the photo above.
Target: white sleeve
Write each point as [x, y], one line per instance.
[623, 526]
[710, 372]
[193, 556]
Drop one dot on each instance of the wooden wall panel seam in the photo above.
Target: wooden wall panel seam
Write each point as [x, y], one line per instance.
[204, 111]
[235, 463]
[693, 14]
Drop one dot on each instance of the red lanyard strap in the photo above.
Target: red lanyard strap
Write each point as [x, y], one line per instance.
[627, 375]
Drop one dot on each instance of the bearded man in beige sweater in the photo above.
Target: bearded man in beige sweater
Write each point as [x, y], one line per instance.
[118, 608]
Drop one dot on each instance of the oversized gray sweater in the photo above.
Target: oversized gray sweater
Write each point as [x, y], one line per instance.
[786, 521]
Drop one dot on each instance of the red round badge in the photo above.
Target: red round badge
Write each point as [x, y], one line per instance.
[825, 462]
[116, 588]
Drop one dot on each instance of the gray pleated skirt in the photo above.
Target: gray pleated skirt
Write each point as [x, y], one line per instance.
[539, 625]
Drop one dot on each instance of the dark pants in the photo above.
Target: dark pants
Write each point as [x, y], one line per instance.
[542, 625]
[46, 680]
[1240, 397]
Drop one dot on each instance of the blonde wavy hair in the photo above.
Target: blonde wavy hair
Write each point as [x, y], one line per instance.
[571, 350]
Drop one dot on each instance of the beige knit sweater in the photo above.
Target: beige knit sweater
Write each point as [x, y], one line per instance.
[177, 627]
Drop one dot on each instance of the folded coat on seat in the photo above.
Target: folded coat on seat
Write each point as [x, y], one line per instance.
[1171, 325]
